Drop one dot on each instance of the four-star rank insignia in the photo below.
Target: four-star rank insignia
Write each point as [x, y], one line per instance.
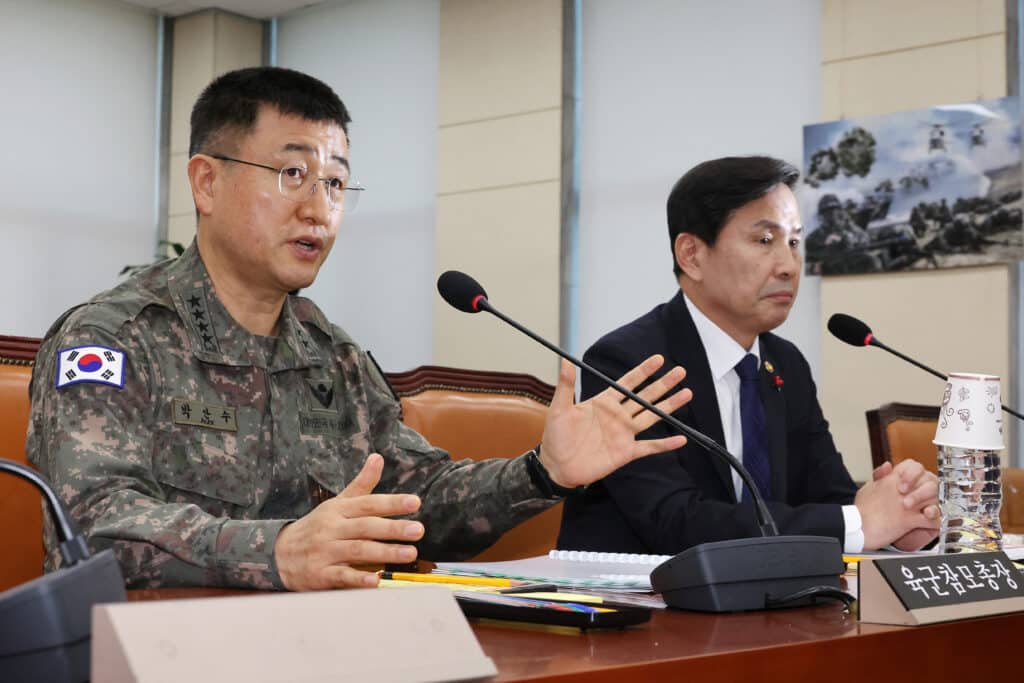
[197, 309]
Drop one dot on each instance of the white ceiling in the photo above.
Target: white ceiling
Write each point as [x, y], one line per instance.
[260, 9]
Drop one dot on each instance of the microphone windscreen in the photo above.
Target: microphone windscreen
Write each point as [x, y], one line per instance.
[849, 329]
[460, 291]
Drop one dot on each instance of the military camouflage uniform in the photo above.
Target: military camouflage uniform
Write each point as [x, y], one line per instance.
[219, 437]
[839, 245]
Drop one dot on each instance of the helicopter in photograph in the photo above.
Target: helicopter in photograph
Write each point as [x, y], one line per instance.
[969, 123]
[937, 141]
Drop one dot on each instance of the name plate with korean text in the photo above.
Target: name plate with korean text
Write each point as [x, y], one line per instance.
[928, 589]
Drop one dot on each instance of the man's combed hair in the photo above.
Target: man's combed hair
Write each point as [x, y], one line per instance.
[231, 104]
[701, 202]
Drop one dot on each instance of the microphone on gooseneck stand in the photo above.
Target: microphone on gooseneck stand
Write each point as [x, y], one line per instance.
[723, 576]
[855, 332]
[45, 624]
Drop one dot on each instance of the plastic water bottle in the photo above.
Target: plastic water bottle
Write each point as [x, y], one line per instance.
[970, 495]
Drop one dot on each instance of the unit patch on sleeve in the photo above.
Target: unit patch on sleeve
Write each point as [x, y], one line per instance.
[98, 364]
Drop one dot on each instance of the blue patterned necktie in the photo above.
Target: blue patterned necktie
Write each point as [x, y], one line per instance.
[755, 428]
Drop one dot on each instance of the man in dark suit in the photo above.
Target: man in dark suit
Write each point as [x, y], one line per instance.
[735, 232]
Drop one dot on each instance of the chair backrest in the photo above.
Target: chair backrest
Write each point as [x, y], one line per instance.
[478, 415]
[898, 431]
[21, 516]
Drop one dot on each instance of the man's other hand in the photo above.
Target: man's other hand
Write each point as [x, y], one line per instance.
[586, 441]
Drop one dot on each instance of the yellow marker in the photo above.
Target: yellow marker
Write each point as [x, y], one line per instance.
[444, 578]
[391, 583]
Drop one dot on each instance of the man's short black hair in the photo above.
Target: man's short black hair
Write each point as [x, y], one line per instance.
[230, 105]
[702, 200]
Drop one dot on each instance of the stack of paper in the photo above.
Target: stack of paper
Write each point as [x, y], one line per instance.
[571, 569]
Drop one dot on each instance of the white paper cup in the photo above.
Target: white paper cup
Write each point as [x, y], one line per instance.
[970, 415]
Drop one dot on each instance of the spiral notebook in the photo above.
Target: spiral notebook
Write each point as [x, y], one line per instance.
[569, 569]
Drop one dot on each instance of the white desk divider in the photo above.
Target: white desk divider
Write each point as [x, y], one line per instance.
[414, 634]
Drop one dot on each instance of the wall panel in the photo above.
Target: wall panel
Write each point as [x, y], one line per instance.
[499, 170]
[77, 199]
[896, 56]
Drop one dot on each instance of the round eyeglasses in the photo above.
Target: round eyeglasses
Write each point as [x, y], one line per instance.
[298, 185]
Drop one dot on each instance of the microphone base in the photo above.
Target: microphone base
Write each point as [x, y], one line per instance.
[745, 574]
[46, 623]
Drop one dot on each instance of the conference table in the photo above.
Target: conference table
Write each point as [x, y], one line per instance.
[821, 643]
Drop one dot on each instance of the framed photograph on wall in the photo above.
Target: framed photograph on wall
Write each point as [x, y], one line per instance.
[929, 188]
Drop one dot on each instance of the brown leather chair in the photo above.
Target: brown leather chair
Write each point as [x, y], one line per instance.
[898, 431]
[476, 414]
[21, 517]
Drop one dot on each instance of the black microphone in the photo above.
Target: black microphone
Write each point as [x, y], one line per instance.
[723, 576]
[46, 623]
[856, 333]
[461, 291]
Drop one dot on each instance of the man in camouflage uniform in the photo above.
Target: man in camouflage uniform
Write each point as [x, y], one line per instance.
[835, 226]
[192, 418]
[838, 243]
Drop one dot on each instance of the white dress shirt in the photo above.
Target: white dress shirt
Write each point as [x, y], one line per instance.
[723, 353]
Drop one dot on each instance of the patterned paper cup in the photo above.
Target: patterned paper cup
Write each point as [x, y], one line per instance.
[970, 415]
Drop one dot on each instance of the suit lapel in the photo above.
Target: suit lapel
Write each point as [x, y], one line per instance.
[774, 401]
[688, 350]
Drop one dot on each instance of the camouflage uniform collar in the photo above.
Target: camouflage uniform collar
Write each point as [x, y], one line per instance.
[217, 338]
[295, 346]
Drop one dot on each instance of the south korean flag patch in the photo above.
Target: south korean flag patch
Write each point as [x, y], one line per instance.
[97, 364]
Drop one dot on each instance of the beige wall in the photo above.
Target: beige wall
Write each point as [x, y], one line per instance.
[881, 56]
[206, 44]
[498, 194]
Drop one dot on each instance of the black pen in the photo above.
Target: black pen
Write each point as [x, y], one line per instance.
[530, 588]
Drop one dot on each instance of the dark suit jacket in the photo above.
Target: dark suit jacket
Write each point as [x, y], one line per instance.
[667, 502]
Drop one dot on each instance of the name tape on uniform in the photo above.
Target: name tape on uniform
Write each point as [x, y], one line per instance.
[97, 364]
